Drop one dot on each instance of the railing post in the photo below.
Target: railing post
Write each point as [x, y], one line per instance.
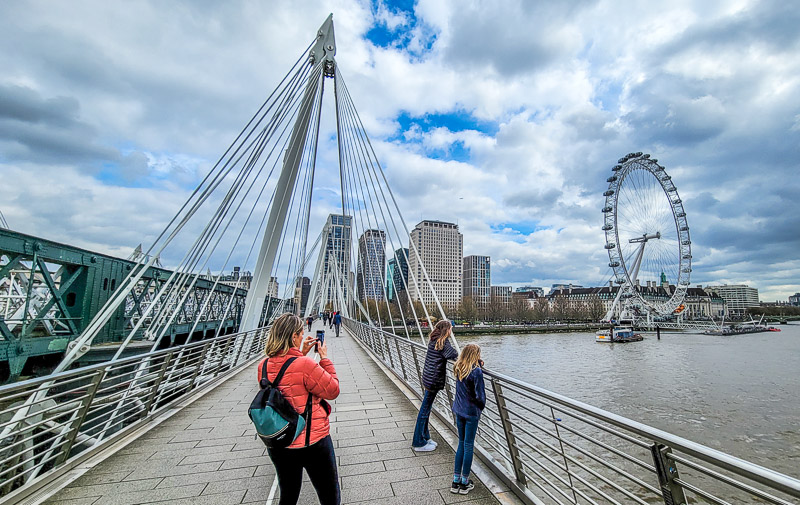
[510, 439]
[388, 348]
[400, 357]
[77, 421]
[199, 366]
[154, 388]
[416, 364]
[563, 454]
[222, 356]
[667, 472]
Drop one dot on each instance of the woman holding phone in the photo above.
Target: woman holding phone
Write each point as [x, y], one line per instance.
[304, 383]
[468, 404]
[433, 376]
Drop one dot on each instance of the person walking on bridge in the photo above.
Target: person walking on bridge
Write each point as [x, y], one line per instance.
[306, 384]
[337, 322]
[440, 350]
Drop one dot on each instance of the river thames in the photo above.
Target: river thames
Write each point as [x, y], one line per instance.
[739, 394]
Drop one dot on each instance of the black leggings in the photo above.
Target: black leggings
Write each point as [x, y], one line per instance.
[320, 464]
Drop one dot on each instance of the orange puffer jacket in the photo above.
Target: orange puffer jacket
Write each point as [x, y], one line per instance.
[305, 376]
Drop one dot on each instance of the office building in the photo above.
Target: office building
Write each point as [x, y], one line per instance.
[440, 247]
[397, 274]
[370, 266]
[477, 279]
[738, 297]
[501, 295]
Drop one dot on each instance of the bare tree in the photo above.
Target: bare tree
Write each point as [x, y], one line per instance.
[541, 309]
[595, 307]
[467, 310]
[561, 307]
[520, 310]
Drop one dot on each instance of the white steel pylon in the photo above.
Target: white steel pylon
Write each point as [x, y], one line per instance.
[321, 54]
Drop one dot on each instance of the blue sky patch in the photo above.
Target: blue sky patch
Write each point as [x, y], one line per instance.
[523, 228]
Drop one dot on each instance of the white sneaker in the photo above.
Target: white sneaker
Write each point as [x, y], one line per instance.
[431, 445]
[432, 441]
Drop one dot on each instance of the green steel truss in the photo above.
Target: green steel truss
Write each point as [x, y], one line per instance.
[49, 292]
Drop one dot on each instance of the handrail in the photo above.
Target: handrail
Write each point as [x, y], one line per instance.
[611, 446]
[48, 424]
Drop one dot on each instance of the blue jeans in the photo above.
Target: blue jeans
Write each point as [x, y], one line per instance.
[421, 432]
[467, 427]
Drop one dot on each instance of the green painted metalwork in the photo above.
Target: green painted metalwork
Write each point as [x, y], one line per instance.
[71, 285]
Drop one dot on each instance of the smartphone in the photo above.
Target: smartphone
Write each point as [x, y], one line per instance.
[320, 338]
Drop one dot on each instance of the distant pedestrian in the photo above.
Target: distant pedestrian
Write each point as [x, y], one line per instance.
[306, 384]
[433, 377]
[324, 319]
[337, 322]
[468, 404]
[330, 319]
[309, 321]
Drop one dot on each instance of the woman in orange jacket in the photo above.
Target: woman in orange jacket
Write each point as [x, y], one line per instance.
[304, 383]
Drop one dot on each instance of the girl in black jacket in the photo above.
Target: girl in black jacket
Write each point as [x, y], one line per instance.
[433, 376]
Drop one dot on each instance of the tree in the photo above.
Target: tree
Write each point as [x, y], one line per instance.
[541, 309]
[467, 310]
[595, 308]
[495, 310]
[560, 307]
[520, 310]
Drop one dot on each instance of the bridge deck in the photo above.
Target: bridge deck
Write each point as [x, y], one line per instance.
[207, 454]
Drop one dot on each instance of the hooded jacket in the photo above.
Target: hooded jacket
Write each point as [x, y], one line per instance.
[470, 395]
[305, 376]
[433, 374]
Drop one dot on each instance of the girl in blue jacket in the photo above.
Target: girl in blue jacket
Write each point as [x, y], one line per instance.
[467, 407]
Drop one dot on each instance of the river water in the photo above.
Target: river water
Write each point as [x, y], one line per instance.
[739, 394]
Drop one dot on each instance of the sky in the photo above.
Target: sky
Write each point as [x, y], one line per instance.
[505, 117]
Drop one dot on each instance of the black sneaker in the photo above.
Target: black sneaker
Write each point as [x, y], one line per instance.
[466, 488]
[455, 487]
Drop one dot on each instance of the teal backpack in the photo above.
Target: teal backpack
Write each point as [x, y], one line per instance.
[277, 422]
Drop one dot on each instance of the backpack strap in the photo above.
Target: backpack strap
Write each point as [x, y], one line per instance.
[308, 418]
[266, 382]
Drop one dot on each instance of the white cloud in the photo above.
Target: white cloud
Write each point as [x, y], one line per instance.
[557, 91]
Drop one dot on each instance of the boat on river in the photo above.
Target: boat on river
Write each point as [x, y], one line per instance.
[618, 334]
[751, 326]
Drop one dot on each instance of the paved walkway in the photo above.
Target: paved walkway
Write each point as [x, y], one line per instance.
[207, 453]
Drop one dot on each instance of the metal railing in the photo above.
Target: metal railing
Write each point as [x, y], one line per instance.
[551, 449]
[48, 423]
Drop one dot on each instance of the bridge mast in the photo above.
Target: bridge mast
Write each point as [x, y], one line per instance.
[320, 55]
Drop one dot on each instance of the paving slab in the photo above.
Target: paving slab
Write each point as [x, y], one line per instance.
[207, 453]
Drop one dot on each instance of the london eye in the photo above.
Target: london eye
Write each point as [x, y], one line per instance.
[647, 237]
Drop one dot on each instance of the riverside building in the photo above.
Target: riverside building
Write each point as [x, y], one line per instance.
[440, 246]
[371, 260]
[477, 274]
[397, 274]
[738, 297]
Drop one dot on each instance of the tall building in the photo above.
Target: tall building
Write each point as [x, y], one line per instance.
[333, 265]
[440, 246]
[301, 291]
[794, 299]
[397, 274]
[477, 274]
[738, 297]
[272, 287]
[370, 267]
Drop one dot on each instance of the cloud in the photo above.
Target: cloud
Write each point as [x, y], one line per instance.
[485, 115]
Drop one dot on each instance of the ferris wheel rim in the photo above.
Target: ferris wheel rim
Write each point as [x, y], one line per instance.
[620, 172]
